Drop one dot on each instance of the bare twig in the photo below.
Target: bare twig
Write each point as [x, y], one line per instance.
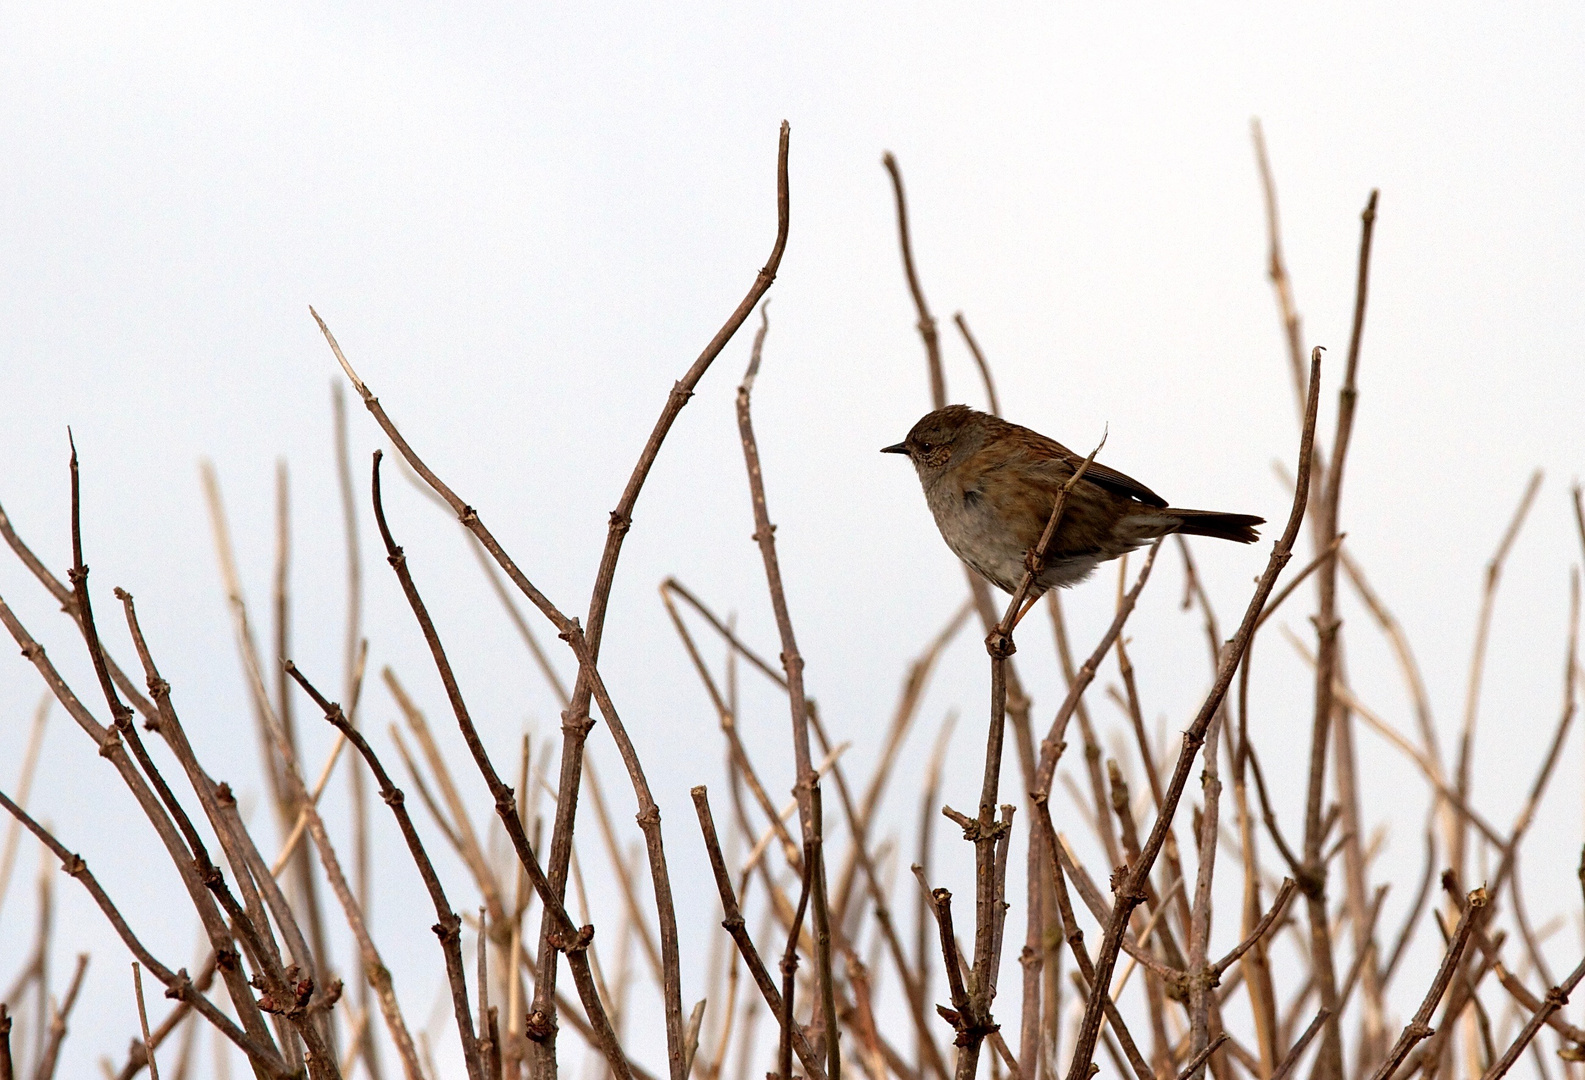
[447, 927]
[1420, 1027]
[264, 1056]
[1466, 744]
[1556, 998]
[735, 926]
[572, 940]
[143, 1021]
[45, 1069]
[807, 788]
[1328, 662]
[927, 323]
[1198, 1061]
[1288, 1063]
[586, 643]
[24, 787]
[1132, 893]
[979, 362]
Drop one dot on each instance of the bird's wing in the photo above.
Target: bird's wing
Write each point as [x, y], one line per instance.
[1098, 474]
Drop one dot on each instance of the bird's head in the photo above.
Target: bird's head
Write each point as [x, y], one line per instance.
[934, 439]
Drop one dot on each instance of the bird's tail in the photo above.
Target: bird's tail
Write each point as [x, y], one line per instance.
[1239, 527]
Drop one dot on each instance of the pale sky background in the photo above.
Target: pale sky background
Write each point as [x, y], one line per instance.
[524, 222]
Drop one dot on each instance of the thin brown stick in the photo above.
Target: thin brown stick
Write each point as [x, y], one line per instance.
[1420, 1027]
[286, 995]
[1299, 579]
[1200, 981]
[1132, 893]
[1464, 758]
[24, 788]
[1092, 747]
[1531, 1004]
[959, 1015]
[354, 657]
[789, 968]
[573, 942]
[1075, 938]
[63, 596]
[112, 743]
[1197, 1062]
[1328, 665]
[586, 644]
[1407, 665]
[728, 722]
[926, 834]
[927, 322]
[979, 361]
[448, 926]
[45, 1069]
[1412, 919]
[461, 824]
[882, 910]
[137, 1056]
[1277, 269]
[143, 1021]
[738, 929]
[807, 788]
[1278, 906]
[1288, 1063]
[305, 886]
[1556, 998]
[178, 984]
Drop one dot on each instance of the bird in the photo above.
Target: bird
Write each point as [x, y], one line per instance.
[992, 486]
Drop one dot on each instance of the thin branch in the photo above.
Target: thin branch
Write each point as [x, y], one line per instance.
[807, 788]
[1132, 893]
[979, 362]
[448, 926]
[178, 985]
[143, 1020]
[1198, 1061]
[57, 1025]
[586, 644]
[1420, 1027]
[24, 788]
[1292, 1060]
[573, 941]
[1278, 906]
[927, 322]
[1463, 762]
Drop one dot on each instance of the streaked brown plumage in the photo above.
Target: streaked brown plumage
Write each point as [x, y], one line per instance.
[992, 485]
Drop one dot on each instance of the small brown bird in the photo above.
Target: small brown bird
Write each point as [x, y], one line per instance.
[992, 486]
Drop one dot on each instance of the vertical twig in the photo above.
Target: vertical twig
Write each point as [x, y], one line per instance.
[1327, 624]
[45, 1068]
[1132, 893]
[354, 649]
[143, 1021]
[927, 323]
[576, 722]
[807, 788]
[562, 933]
[1420, 1026]
[448, 926]
[24, 788]
[1464, 760]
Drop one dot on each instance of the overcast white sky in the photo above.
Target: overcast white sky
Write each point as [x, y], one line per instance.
[524, 222]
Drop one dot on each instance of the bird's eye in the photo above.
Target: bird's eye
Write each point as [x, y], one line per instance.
[923, 445]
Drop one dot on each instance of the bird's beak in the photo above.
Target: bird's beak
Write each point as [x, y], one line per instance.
[896, 448]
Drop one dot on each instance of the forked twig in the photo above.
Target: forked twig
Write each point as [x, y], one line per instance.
[1132, 892]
